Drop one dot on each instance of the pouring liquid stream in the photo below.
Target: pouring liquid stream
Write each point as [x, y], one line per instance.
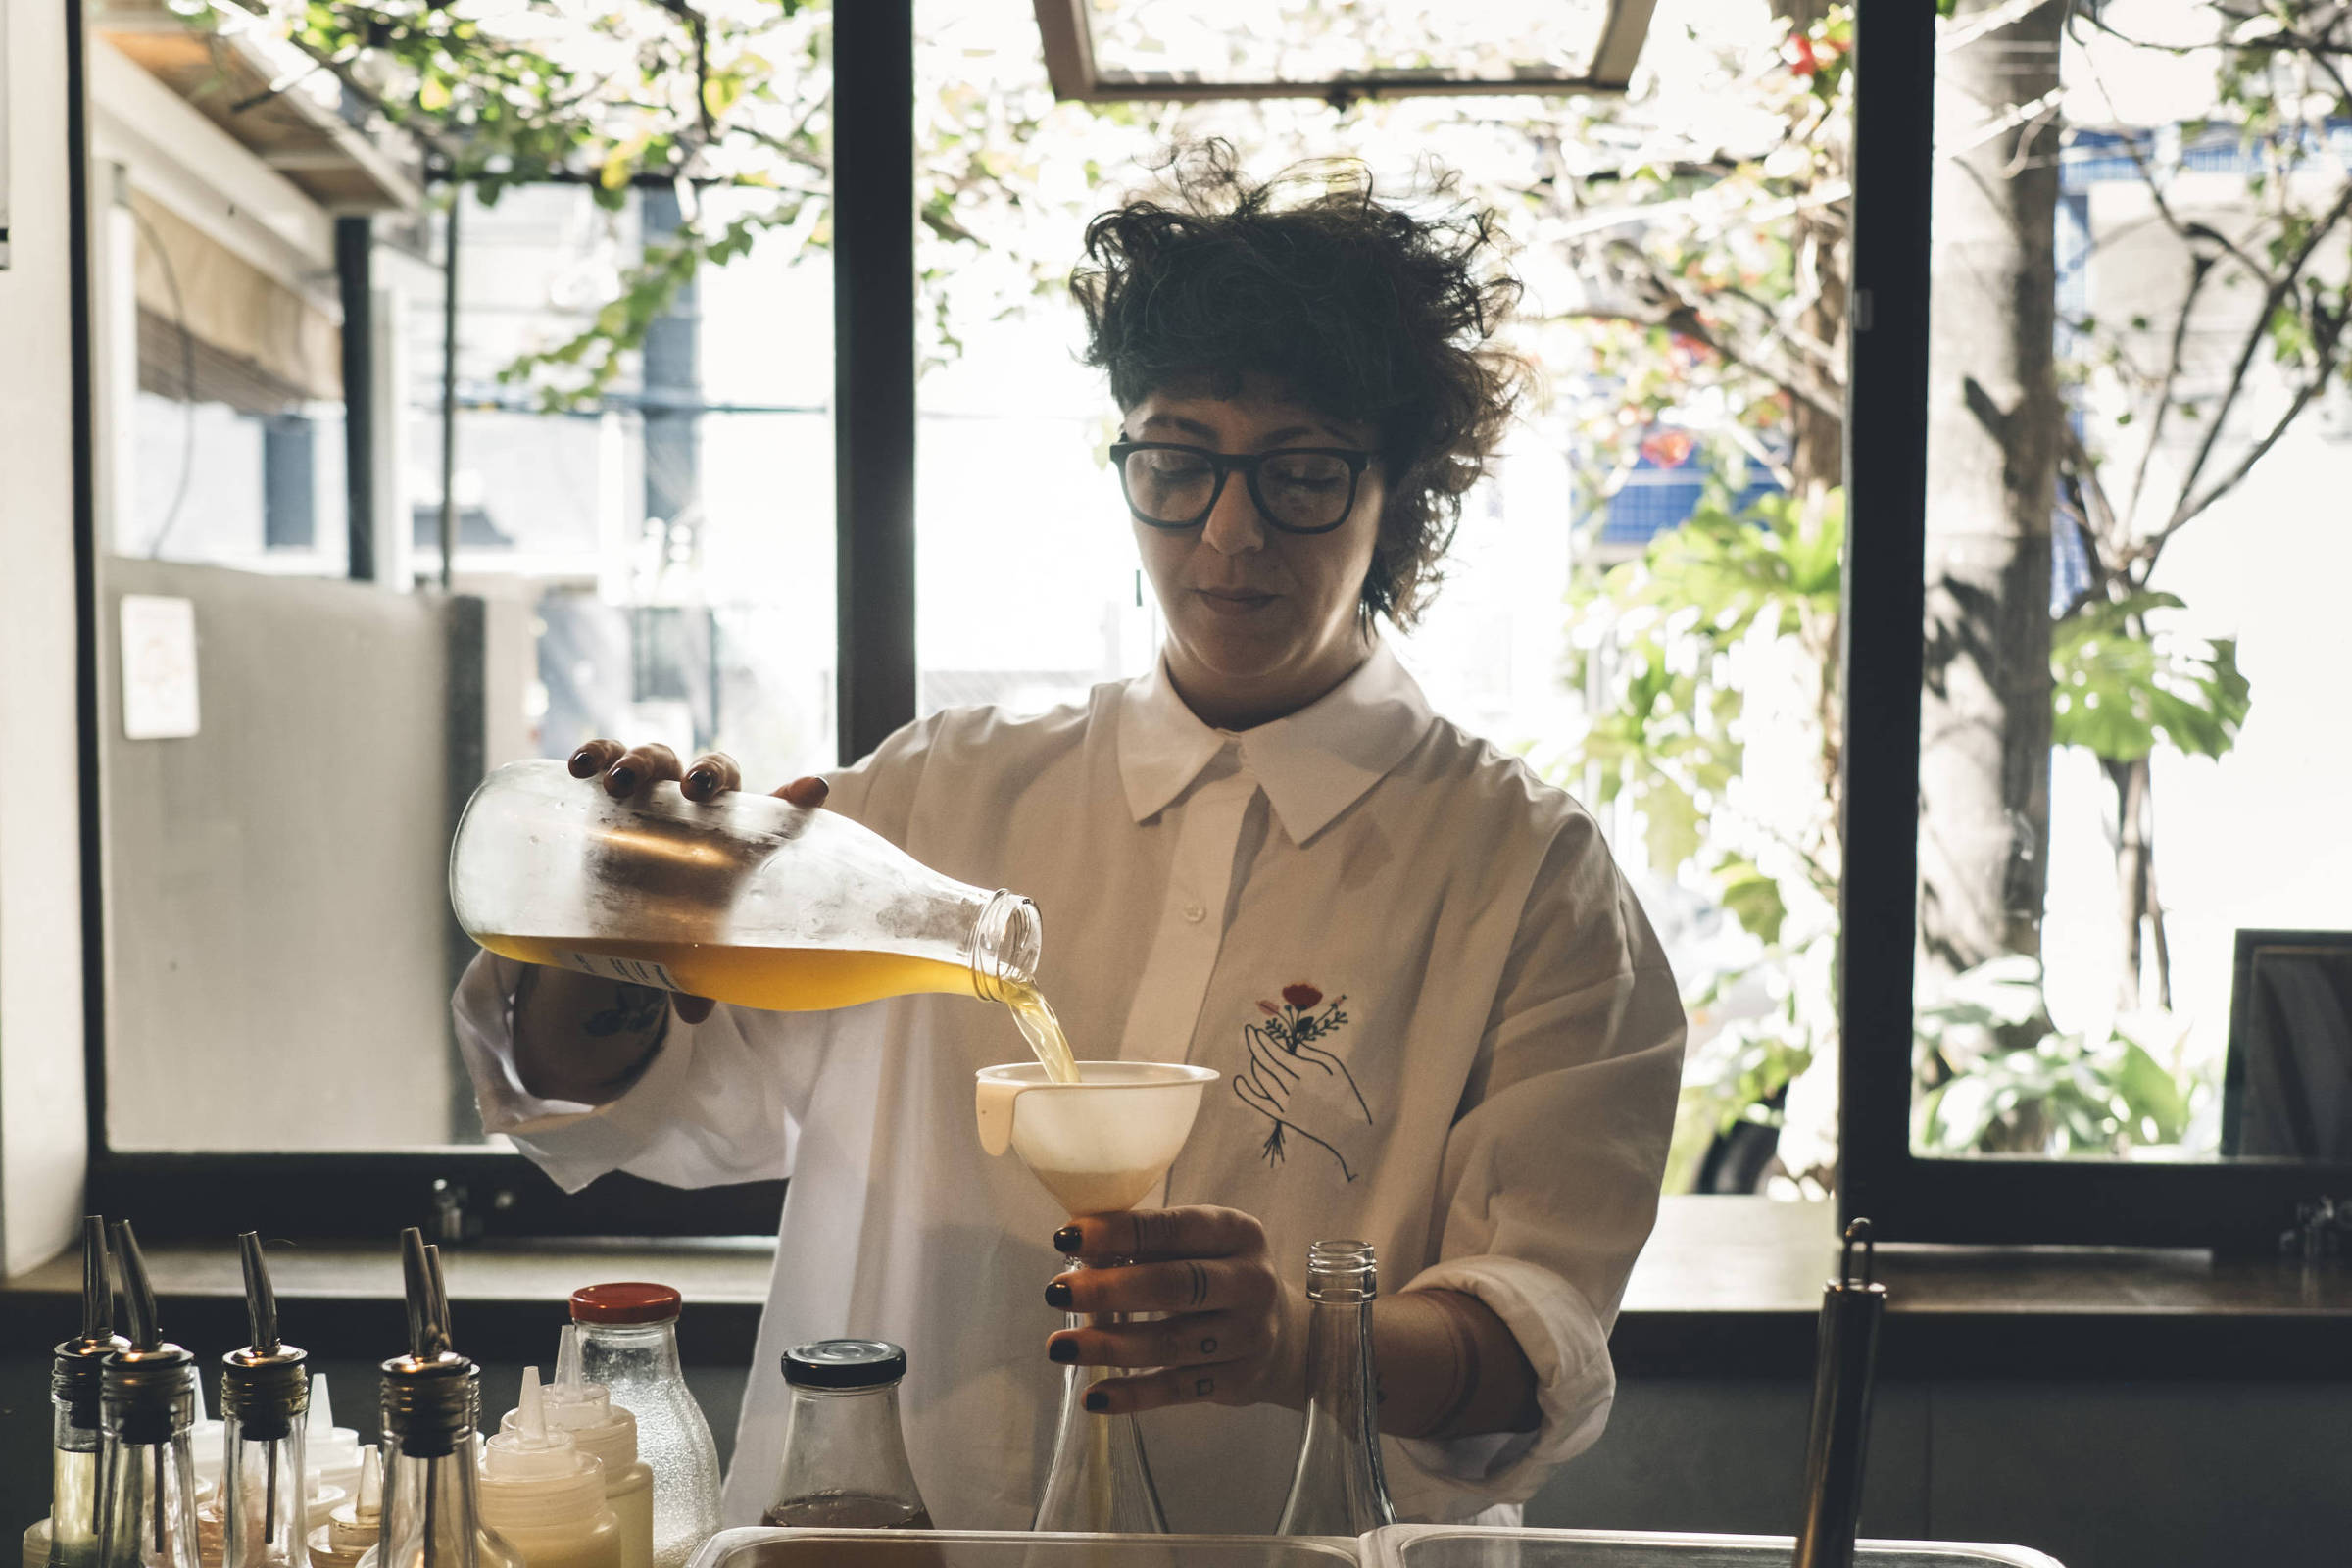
[790, 979]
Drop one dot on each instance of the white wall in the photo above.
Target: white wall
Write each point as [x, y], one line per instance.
[43, 1110]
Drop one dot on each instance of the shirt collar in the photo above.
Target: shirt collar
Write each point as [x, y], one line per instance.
[1312, 765]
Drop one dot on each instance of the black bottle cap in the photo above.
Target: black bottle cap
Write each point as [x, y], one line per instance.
[844, 1364]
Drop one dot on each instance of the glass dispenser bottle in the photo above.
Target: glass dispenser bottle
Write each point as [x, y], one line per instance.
[1339, 1488]
[628, 1336]
[845, 1455]
[745, 899]
[74, 1399]
[265, 1405]
[432, 1417]
[146, 1404]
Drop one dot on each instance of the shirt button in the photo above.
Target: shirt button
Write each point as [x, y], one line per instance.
[1195, 913]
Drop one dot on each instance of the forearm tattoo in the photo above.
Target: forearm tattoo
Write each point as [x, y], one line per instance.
[634, 1010]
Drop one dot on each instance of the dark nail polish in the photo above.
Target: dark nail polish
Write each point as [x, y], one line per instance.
[1065, 1353]
[1057, 1295]
[623, 780]
[1066, 1240]
[702, 781]
[582, 763]
[1097, 1400]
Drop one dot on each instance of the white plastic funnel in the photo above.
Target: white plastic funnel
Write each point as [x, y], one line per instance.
[1101, 1144]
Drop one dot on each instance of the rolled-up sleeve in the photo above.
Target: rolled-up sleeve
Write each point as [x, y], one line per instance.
[715, 1105]
[1551, 1170]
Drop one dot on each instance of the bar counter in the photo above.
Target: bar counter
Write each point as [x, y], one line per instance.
[1727, 1288]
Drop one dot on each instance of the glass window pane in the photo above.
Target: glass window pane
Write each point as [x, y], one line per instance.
[1718, 812]
[1236, 40]
[2132, 630]
[653, 563]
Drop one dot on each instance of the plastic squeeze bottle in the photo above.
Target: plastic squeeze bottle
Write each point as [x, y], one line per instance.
[333, 1453]
[545, 1497]
[357, 1525]
[603, 1430]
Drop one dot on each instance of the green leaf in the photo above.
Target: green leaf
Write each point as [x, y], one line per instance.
[2121, 688]
[1752, 897]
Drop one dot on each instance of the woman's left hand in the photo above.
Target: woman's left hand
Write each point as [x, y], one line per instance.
[1233, 1333]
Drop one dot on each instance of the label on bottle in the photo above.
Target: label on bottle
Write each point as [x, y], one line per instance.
[636, 972]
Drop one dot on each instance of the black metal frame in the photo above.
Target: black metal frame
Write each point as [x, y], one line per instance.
[1071, 69]
[2235, 1207]
[486, 1193]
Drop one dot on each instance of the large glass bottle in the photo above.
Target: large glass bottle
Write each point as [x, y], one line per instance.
[265, 1408]
[146, 1404]
[1337, 1489]
[745, 899]
[628, 1333]
[74, 1399]
[845, 1455]
[432, 1420]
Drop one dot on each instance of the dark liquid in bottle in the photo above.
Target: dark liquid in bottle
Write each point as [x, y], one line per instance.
[847, 1510]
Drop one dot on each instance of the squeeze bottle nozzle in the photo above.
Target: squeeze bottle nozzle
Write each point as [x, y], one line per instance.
[528, 1451]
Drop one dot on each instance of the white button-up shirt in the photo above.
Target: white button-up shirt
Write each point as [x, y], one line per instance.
[1443, 1023]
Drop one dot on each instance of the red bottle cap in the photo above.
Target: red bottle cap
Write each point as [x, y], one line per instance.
[628, 1302]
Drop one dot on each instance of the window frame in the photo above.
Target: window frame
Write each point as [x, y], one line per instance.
[2237, 1207]
[205, 1195]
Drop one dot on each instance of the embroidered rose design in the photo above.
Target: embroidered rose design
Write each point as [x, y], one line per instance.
[1288, 1065]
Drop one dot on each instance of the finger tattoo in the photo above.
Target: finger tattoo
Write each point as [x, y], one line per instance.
[1203, 1388]
[1209, 1344]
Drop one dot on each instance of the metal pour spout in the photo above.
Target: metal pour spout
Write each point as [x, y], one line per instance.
[97, 1292]
[139, 1292]
[426, 1295]
[261, 1302]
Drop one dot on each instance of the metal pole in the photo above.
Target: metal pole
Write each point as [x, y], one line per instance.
[448, 386]
[873, 368]
[354, 276]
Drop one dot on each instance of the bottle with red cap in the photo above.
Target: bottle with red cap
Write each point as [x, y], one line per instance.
[628, 1335]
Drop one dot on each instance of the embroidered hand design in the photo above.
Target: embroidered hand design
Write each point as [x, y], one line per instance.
[1289, 1076]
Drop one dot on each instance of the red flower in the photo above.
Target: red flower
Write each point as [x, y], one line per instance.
[1301, 996]
[1270, 1010]
[1669, 448]
[1802, 58]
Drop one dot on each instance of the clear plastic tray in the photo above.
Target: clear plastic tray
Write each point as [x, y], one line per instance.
[957, 1548]
[1459, 1547]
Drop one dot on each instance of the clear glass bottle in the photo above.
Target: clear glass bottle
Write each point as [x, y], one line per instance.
[146, 1404]
[628, 1336]
[845, 1455]
[745, 899]
[264, 1408]
[73, 1411]
[1099, 1479]
[1337, 1489]
[432, 1420]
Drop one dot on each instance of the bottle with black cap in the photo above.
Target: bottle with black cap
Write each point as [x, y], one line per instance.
[146, 1403]
[73, 1522]
[432, 1435]
[844, 1458]
[265, 1408]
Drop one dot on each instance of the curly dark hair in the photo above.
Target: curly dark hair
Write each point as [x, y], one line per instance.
[1356, 307]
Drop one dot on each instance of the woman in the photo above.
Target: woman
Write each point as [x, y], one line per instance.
[1442, 1022]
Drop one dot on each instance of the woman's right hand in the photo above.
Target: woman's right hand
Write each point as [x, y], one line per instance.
[622, 771]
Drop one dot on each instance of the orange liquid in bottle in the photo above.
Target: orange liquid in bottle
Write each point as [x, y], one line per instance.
[789, 979]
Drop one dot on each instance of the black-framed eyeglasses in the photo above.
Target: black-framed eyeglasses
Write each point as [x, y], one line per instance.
[1298, 489]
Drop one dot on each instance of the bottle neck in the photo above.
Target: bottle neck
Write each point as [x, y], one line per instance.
[618, 1354]
[1006, 940]
[264, 1495]
[147, 1513]
[845, 1443]
[73, 1495]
